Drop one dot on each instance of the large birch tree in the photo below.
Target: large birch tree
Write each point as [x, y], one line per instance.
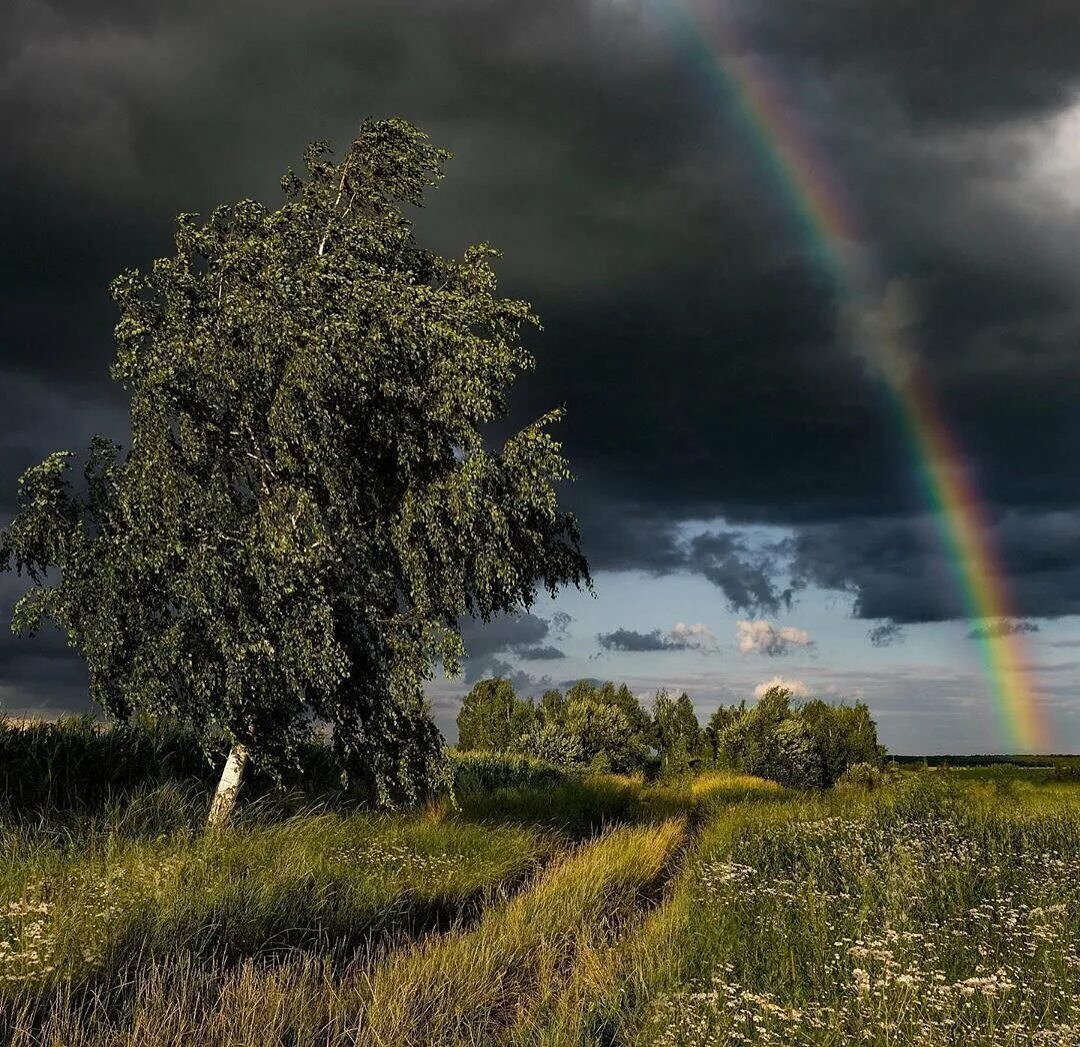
[307, 507]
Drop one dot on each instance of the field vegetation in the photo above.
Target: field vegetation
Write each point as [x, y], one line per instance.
[536, 905]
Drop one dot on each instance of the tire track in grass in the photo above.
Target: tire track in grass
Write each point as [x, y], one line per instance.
[610, 976]
[284, 903]
[522, 973]
[485, 982]
[469, 988]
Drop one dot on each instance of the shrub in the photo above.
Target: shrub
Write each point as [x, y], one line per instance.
[485, 771]
[865, 776]
[808, 747]
[549, 743]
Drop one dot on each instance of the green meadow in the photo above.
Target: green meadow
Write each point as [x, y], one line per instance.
[925, 906]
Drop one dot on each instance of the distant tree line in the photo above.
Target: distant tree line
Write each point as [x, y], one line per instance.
[604, 727]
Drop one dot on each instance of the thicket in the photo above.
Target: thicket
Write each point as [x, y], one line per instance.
[601, 727]
[605, 727]
[78, 763]
[809, 746]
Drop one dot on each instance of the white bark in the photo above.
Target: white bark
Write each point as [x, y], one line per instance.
[229, 785]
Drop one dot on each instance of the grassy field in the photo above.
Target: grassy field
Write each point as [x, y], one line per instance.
[942, 907]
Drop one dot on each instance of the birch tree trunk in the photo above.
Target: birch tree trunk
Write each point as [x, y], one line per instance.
[228, 787]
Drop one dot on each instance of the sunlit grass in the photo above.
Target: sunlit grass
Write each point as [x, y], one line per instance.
[942, 907]
[325, 881]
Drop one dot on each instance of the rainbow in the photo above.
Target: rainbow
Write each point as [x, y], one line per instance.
[814, 194]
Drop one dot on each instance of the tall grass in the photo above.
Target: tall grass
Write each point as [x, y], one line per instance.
[942, 909]
[466, 986]
[77, 763]
[326, 881]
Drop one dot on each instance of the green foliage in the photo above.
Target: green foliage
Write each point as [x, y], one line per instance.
[307, 506]
[484, 771]
[601, 727]
[604, 732]
[843, 735]
[722, 718]
[76, 764]
[492, 716]
[808, 747]
[677, 735]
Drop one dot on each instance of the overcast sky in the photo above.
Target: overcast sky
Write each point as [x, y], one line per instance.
[748, 503]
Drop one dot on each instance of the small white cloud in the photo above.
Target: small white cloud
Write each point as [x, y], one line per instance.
[797, 688]
[761, 637]
[882, 332]
[1055, 156]
[697, 636]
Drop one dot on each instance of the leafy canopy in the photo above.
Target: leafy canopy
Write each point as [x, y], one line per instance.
[678, 737]
[808, 746]
[492, 717]
[307, 506]
[596, 726]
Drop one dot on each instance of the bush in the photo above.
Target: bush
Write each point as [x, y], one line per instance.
[485, 771]
[550, 744]
[809, 747]
[863, 776]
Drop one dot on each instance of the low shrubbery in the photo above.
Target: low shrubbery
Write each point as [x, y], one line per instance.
[804, 747]
[78, 764]
[599, 727]
[483, 771]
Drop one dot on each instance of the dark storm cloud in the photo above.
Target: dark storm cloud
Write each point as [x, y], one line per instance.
[697, 346]
[898, 568]
[525, 683]
[935, 63]
[744, 577]
[40, 418]
[682, 638]
[490, 645]
[632, 640]
[886, 634]
[40, 673]
[545, 653]
[1006, 627]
